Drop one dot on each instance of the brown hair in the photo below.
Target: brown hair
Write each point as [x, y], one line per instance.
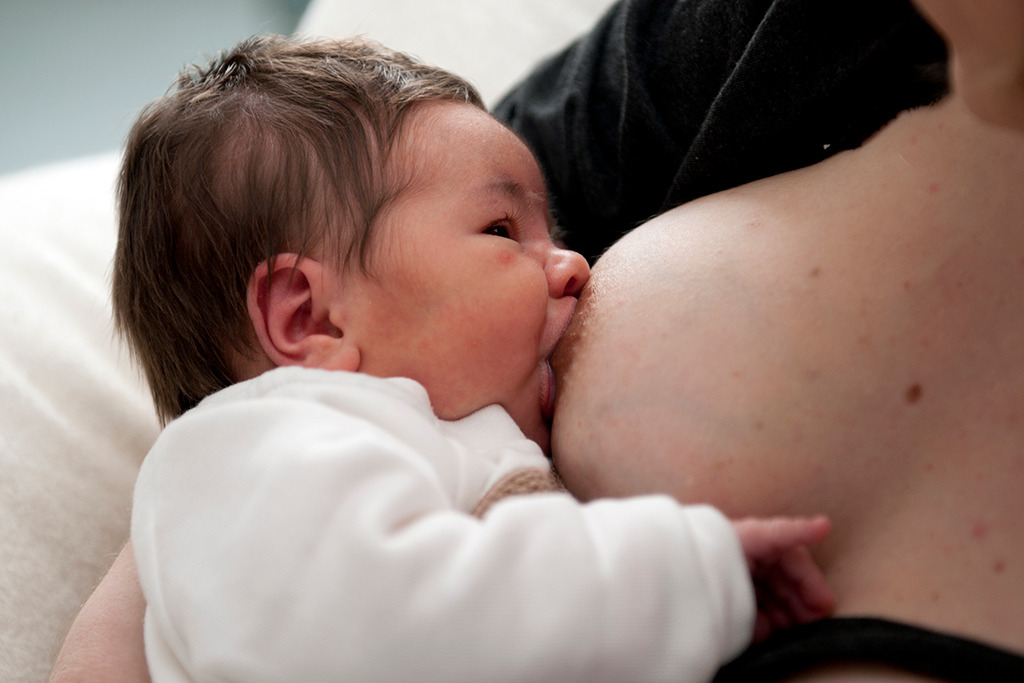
[277, 145]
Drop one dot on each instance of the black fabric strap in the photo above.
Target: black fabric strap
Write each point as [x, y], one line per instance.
[877, 641]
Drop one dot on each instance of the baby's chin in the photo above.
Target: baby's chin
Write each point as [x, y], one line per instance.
[544, 442]
[539, 432]
[532, 424]
[532, 412]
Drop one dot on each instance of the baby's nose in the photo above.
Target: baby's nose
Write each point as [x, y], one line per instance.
[567, 272]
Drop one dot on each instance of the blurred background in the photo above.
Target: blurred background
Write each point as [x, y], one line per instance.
[73, 74]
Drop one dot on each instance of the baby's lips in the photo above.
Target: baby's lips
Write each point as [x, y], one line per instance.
[563, 352]
[547, 394]
[559, 324]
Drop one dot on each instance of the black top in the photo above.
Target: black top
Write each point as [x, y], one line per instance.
[908, 648]
[668, 100]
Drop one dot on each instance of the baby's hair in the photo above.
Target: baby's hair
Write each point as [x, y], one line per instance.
[277, 145]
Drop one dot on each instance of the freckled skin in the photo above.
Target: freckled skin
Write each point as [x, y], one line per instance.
[856, 354]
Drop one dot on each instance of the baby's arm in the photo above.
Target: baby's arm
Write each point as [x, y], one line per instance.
[106, 638]
[789, 587]
[105, 641]
[314, 530]
[310, 526]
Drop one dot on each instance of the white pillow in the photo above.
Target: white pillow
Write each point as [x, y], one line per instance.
[75, 421]
[490, 42]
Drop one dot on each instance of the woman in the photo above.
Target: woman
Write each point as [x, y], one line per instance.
[844, 338]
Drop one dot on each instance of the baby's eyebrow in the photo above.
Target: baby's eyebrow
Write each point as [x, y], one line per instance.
[526, 198]
[517, 191]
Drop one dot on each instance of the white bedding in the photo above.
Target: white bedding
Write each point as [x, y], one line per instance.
[75, 420]
[491, 42]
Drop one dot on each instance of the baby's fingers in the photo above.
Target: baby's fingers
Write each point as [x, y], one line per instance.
[765, 541]
[788, 593]
[794, 585]
[810, 597]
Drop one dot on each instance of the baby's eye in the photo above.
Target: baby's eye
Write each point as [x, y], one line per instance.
[499, 230]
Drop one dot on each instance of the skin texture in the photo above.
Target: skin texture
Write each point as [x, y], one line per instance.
[105, 640]
[988, 54]
[844, 339]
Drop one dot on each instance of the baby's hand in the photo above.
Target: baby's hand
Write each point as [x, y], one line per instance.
[789, 587]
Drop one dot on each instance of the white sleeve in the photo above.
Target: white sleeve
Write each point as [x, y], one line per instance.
[328, 549]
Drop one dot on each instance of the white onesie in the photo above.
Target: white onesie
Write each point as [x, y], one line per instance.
[311, 525]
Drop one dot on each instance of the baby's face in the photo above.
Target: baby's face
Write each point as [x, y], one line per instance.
[467, 293]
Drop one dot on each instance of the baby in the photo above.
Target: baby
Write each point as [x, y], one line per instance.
[338, 273]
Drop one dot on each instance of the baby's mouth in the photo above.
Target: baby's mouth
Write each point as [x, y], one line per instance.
[547, 393]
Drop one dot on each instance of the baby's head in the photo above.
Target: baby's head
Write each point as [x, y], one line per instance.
[338, 205]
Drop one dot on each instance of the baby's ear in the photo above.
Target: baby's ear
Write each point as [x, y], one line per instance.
[290, 302]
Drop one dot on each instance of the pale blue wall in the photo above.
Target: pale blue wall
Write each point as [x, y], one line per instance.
[73, 73]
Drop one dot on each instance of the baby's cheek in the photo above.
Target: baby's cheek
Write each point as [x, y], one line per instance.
[504, 258]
